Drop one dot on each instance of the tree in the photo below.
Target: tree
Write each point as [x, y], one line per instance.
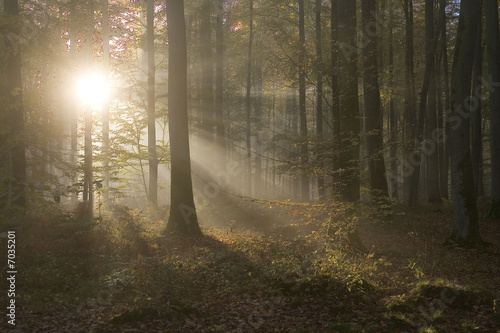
[349, 122]
[409, 114]
[430, 50]
[13, 146]
[431, 122]
[373, 110]
[219, 82]
[248, 102]
[105, 108]
[153, 159]
[319, 91]
[466, 228]
[304, 149]
[476, 113]
[183, 218]
[493, 45]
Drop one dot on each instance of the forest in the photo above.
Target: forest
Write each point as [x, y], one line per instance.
[250, 165]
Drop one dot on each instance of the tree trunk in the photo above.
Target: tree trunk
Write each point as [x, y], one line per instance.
[105, 107]
[183, 218]
[207, 92]
[493, 41]
[444, 151]
[410, 98]
[393, 119]
[430, 147]
[304, 148]
[319, 93]
[334, 44]
[88, 177]
[466, 230]
[248, 103]
[476, 117]
[73, 114]
[153, 159]
[15, 160]
[416, 154]
[373, 110]
[349, 104]
[219, 87]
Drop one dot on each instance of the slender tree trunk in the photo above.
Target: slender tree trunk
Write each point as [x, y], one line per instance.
[416, 154]
[304, 148]
[105, 108]
[430, 147]
[14, 141]
[73, 114]
[248, 103]
[493, 41]
[444, 151]
[207, 92]
[319, 93]
[258, 127]
[88, 181]
[219, 87]
[349, 104]
[393, 119]
[183, 218]
[334, 44]
[410, 98]
[466, 230]
[373, 110]
[153, 159]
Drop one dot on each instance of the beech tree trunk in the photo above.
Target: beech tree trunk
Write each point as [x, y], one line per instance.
[153, 159]
[410, 98]
[466, 229]
[248, 104]
[476, 113]
[493, 42]
[304, 148]
[183, 218]
[319, 93]
[219, 84]
[348, 105]
[373, 110]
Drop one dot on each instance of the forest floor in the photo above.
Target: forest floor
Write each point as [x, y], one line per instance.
[261, 267]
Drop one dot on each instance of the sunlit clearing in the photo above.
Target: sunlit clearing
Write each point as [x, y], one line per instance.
[92, 90]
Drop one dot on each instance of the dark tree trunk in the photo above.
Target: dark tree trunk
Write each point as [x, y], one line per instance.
[183, 218]
[430, 147]
[153, 159]
[304, 149]
[349, 104]
[393, 119]
[410, 97]
[493, 42]
[466, 230]
[476, 117]
[373, 110]
[248, 103]
[334, 44]
[14, 160]
[444, 151]
[319, 93]
[416, 154]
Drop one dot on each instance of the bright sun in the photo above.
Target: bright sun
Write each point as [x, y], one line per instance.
[92, 90]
